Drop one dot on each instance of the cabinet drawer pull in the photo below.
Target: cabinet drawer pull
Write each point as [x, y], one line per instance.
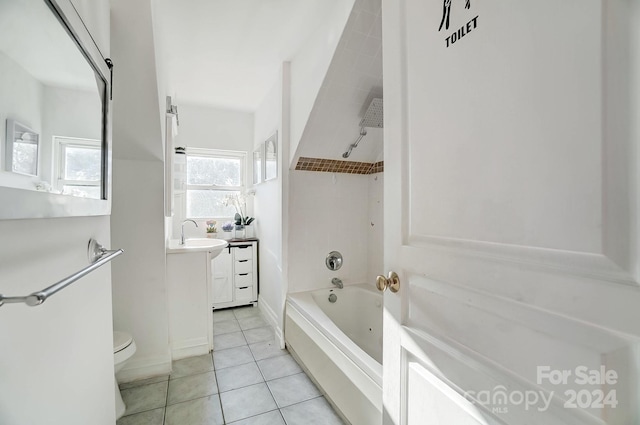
[242, 274]
[242, 246]
[242, 261]
[244, 287]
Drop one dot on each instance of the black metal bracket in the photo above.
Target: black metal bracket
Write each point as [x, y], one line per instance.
[110, 65]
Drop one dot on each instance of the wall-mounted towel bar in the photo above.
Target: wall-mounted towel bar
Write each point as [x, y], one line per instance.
[98, 256]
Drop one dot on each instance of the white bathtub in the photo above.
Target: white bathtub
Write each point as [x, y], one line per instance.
[340, 344]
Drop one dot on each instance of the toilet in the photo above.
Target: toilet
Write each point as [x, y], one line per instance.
[123, 348]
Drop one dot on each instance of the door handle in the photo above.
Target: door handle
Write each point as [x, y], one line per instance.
[392, 282]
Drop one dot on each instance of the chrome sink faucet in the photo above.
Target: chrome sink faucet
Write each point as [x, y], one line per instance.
[182, 231]
[338, 282]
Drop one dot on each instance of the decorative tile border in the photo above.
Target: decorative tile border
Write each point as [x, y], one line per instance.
[377, 167]
[337, 166]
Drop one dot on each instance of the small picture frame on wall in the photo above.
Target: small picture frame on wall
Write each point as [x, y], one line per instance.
[258, 164]
[22, 150]
[271, 157]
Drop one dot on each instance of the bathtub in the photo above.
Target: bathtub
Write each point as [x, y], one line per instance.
[340, 345]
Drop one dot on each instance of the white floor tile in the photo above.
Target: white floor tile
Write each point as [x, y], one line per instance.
[246, 402]
[313, 412]
[259, 334]
[220, 315]
[146, 397]
[293, 389]
[150, 417]
[140, 382]
[252, 322]
[225, 327]
[232, 357]
[234, 377]
[278, 367]
[242, 312]
[192, 366]
[224, 341]
[201, 411]
[192, 387]
[270, 418]
[266, 349]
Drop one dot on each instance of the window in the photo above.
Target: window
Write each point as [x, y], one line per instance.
[78, 169]
[211, 176]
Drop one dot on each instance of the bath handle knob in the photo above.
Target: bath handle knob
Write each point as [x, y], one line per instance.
[392, 282]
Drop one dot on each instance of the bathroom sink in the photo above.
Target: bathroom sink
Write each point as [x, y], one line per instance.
[214, 246]
[204, 242]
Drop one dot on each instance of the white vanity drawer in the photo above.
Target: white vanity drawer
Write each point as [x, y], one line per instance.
[241, 253]
[243, 280]
[244, 294]
[243, 266]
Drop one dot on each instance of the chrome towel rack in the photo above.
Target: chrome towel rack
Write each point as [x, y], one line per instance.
[98, 256]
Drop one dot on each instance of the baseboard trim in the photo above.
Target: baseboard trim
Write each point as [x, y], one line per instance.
[189, 348]
[272, 319]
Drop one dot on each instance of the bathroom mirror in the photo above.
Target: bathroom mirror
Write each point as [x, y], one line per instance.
[54, 115]
[271, 157]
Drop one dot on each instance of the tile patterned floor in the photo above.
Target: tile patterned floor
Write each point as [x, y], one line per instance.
[247, 380]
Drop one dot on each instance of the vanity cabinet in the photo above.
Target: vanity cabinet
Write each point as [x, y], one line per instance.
[234, 275]
[189, 311]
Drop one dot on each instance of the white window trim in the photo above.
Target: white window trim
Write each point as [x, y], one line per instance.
[59, 142]
[217, 153]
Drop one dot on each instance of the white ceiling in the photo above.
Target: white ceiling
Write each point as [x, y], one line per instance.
[227, 53]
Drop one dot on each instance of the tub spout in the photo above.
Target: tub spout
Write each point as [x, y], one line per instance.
[338, 282]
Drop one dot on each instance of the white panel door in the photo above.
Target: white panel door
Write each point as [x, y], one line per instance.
[222, 274]
[511, 152]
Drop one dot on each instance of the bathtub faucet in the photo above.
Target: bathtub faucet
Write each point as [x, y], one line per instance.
[338, 282]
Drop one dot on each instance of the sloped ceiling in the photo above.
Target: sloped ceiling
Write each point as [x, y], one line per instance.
[354, 78]
[228, 54]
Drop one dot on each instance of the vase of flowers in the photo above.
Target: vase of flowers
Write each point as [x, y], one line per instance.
[227, 229]
[212, 231]
[239, 202]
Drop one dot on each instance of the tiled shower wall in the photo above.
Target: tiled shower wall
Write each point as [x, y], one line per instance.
[334, 211]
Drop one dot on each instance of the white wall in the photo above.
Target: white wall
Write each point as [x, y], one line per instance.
[215, 128]
[95, 15]
[57, 358]
[269, 207]
[309, 67]
[137, 224]
[375, 229]
[329, 212]
[139, 291]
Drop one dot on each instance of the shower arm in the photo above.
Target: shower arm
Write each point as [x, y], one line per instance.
[363, 132]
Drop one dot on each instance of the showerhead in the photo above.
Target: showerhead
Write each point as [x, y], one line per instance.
[374, 115]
